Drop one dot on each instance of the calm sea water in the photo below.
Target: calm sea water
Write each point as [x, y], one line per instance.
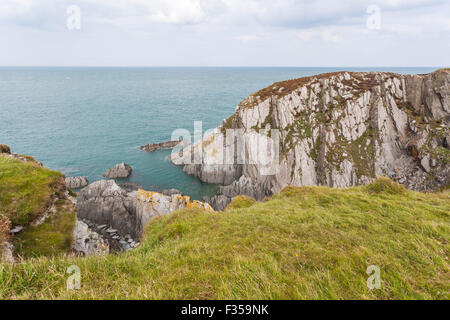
[82, 121]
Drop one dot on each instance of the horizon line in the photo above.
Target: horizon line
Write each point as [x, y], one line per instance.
[169, 66]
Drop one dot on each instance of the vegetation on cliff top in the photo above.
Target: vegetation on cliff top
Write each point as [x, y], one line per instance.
[306, 243]
[27, 190]
[53, 237]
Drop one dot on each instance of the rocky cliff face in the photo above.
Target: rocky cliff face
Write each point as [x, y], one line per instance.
[339, 130]
[104, 203]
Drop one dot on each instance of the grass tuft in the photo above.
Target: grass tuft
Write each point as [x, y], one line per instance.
[240, 202]
[386, 185]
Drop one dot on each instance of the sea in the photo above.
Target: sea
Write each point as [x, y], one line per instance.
[83, 120]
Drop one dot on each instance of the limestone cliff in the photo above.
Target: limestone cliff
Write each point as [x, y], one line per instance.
[337, 129]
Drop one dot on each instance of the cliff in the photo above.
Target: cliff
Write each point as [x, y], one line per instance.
[338, 130]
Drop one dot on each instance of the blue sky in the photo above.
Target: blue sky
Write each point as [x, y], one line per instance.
[225, 33]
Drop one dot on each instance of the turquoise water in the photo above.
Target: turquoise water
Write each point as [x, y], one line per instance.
[82, 121]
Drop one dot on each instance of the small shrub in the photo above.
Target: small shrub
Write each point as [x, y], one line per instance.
[5, 149]
[385, 185]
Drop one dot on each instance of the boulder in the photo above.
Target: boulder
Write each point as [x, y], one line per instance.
[121, 170]
[76, 182]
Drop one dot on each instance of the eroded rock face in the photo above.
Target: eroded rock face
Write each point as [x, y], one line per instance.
[105, 203]
[76, 182]
[88, 242]
[152, 204]
[121, 170]
[339, 130]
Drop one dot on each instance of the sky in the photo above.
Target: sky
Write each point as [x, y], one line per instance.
[305, 33]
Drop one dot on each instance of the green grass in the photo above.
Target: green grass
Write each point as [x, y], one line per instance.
[52, 238]
[26, 189]
[306, 243]
[241, 202]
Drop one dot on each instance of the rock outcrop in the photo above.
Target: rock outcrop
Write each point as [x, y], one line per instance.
[338, 129]
[152, 147]
[121, 170]
[76, 182]
[105, 203]
[88, 242]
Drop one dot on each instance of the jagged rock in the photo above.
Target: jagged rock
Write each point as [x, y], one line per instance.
[105, 203]
[130, 186]
[218, 202]
[76, 182]
[121, 170]
[171, 192]
[88, 242]
[339, 129]
[163, 145]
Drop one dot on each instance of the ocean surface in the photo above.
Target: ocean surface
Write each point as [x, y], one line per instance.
[82, 121]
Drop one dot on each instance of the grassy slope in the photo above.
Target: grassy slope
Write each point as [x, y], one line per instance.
[306, 243]
[26, 191]
[52, 238]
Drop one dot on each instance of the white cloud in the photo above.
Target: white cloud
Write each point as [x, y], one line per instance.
[198, 32]
[247, 38]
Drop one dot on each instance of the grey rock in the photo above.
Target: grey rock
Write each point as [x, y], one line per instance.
[171, 192]
[130, 186]
[126, 213]
[88, 242]
[104, 202]
[16, 229]
[163, 145]
[76, 182]
[121, 170]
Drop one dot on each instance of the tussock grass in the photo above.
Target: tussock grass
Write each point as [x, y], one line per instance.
[240, 202]
[306, 243]
[26, 189]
